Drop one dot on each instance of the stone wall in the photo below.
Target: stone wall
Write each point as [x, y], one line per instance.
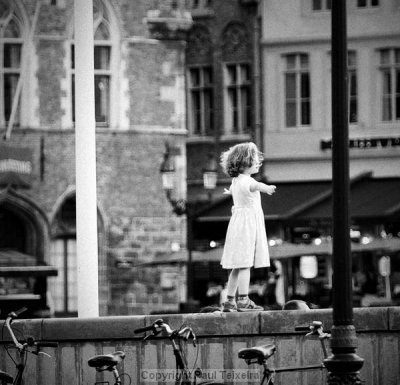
[220, 337]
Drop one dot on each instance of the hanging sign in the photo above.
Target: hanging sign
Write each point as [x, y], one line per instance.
[16, 165]
[365, 143]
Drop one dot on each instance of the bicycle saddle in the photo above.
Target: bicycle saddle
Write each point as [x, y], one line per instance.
[5, 377]
[106, 361]
[257, 352]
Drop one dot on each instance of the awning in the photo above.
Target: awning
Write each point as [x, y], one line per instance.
[284, 251]
[16, 264]
[290, 198]
[369, 198]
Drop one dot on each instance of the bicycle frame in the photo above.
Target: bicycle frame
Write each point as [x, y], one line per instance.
[22, 350]
[183, 374]
[20, 363]
[268, 374]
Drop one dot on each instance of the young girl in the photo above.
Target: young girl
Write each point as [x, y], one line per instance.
[246, 240]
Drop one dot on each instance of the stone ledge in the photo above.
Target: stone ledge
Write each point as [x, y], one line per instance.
[204, 324]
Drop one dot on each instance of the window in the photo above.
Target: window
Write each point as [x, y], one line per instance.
[352, 71]
[390, 75]
[63, 288]
[367, 3]
[10, 61]
[297, 91]
[201, 100]
[321, 5]
[102, 70]
[238, 98]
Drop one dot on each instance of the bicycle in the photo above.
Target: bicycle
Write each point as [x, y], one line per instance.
[260, 354]
[183, 375]
[23, 348]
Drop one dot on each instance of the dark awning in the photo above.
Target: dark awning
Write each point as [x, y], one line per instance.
[16, 264]
[290, 198]
[370, 198]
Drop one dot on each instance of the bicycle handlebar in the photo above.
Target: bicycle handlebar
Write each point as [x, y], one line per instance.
[159, 326]
[315, 328]
[30, 341]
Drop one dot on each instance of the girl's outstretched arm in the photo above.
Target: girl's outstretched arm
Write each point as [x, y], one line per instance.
[227, 192]
[262, 187]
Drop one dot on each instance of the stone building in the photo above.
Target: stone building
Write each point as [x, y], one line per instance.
[139, 107]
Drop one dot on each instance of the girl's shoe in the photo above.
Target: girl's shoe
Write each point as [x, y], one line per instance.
[248, 305]
[229, 307]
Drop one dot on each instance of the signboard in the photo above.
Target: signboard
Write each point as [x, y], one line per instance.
[365, 143]
[16, 165]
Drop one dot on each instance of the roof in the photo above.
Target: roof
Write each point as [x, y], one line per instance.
[369, 198]
[14, 263]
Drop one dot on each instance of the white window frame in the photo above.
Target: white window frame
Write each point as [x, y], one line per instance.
[298, 72]
[394, 70]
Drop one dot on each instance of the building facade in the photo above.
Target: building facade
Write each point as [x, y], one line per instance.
[297, 88]
[139, 107]
[296, 138]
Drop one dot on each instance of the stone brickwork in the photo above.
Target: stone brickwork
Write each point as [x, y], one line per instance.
[137, 223]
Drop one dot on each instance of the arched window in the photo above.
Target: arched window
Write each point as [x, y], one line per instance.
[200, 81]
[103, 48]
[236, 51]
[63, 288]
[11, 40]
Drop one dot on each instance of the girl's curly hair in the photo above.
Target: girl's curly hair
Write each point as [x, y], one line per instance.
[239, 157]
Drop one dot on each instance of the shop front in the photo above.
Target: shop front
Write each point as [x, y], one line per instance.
[298, 221]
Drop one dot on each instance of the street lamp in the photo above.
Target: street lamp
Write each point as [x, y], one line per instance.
[184, 207]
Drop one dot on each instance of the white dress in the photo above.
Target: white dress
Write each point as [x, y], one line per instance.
[246, 239]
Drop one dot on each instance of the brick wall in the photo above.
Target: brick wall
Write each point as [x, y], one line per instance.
[137, 220]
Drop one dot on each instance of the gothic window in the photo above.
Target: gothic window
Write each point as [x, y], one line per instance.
[238, 98]
[201, 100]
[235, 42]
[102, 68]
[11, 41]
[63, 288]
[199, 46]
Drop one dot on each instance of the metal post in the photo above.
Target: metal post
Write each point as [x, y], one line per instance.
[343, 365]
[85, 154]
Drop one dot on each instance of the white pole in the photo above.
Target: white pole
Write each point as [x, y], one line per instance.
[85, 155]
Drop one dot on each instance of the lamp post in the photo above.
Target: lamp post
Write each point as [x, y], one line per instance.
[343, 365]
[184, 207]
